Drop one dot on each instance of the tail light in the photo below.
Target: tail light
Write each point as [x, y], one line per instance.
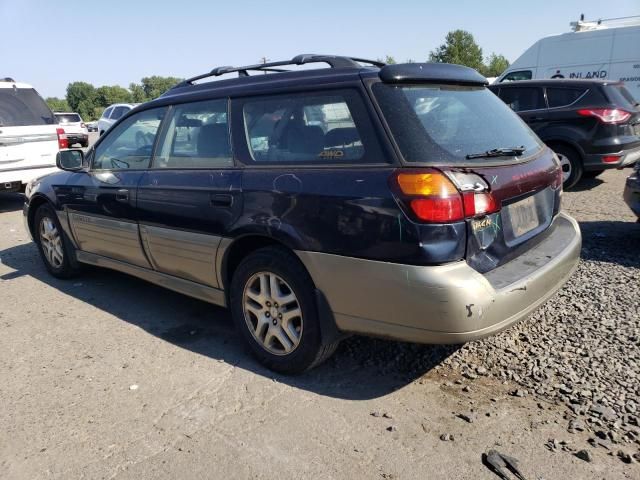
[611, 158]
[606, 115]
[82, 125]
[62, 139]
[434, 198]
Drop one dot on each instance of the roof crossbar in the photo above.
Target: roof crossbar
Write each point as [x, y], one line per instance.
[334, 61]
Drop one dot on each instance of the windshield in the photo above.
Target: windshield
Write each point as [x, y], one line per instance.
[23, 106]
[67, 117]
[622, 97]
[445, 123]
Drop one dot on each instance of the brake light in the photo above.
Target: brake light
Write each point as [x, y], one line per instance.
[62, 139]
[606, 115]
[82, 125]
[434, 198]
[611, 158]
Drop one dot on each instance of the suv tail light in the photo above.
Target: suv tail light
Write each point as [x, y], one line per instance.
[434, 198]
[606, 115]
[62, 139]
[83, 125]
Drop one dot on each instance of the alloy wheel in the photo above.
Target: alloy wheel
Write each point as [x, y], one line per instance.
[565, 164]
[272, 313]
[51, 242]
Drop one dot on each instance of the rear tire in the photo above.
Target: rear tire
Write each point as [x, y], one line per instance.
[55, 248]
[285, 337]
[592, 173]
[571, 164]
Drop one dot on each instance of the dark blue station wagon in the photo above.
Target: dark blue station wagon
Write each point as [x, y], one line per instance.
[401, 201]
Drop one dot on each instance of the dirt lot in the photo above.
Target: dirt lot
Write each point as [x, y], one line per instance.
[106, 376]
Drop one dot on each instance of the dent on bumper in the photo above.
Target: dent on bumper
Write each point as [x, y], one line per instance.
[448, 303]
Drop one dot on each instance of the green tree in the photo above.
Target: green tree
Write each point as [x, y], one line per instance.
[460, 48]
[388, 59]
[495, 65]
[137, 93]
[110, 94]
[58, 104]
[155, 86]
[78, 92]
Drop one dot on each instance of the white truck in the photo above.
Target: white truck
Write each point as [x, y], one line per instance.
[603, 49]
[30, 137]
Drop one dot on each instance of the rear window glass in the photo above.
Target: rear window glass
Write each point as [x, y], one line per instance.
[313, 128]
[620, 96]
[521, 99]
[68, 117]
[118, 112]
[23, 106]
[561, 97]
[517, 76]
[435, 124]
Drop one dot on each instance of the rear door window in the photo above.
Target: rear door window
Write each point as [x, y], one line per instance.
[197, 136]
[107, 112]
[521, 99]
[517, 76]
[312, 128]
[561, 97]
[119, 112]
[23, 106]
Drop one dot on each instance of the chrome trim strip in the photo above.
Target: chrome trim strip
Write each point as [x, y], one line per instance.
[10, 140]
[34, 167]
[186, 287]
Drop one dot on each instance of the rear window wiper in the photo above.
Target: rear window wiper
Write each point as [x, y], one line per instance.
[499, 152]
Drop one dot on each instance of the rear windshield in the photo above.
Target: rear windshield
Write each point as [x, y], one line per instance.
[23, 106]
[445, 123]
[67, 117]
[620, 96]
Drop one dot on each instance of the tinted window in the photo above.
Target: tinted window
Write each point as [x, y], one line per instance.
[522, 98]
[67, 118]
[130, 144]
[23, 106]
[620, 96]
[561, 97]
[119, 112]
[434, 124]
[516, 76]
[197, 137]
[107, 112]
[312, 128]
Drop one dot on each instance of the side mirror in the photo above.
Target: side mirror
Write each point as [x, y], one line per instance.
[70, 160]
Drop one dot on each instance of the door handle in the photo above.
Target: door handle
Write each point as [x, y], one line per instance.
[122, 195]
[221, 200]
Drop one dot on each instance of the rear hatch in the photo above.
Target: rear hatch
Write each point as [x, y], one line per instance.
[475, 161]
[28, 138]
[627, 120]
[71, 122]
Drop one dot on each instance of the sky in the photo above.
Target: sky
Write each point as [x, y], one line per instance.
[50, 43]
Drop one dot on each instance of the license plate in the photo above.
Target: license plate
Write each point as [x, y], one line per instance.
[523, 216]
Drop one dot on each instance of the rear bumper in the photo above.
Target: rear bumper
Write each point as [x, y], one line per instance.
[632, 193]
[25, 175]
[77, 137]
[450, 303]
[627, 158]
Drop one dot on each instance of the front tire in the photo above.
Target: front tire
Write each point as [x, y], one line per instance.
[54, 247]
[273, 306]
[571, 164]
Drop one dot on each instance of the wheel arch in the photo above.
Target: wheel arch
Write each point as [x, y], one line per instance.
[35, 203]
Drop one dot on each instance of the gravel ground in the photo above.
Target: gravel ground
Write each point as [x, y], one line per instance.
[106, 376]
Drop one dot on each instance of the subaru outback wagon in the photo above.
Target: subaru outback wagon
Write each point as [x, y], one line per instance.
[400, 201]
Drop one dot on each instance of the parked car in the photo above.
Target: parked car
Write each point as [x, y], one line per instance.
[401, 201]
[592, 125]
[74, 127]
[603, 49]
[632, 191]
[29, 136]
[112, 114]
[92, 126]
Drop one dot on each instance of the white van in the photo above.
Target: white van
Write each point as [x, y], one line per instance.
[605, 49]
[30, 137]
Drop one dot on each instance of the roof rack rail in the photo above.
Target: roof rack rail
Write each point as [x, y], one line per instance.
[334, 61]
